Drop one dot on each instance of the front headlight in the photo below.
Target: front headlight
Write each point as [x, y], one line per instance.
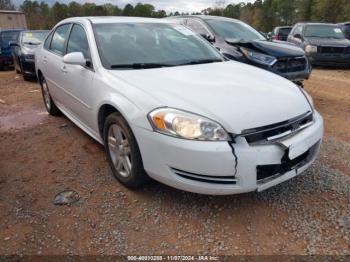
[186, 125]
[259, 57]
[28, 57]
[311, 49]
[308, 97]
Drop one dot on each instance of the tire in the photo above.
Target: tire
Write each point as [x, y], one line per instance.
[48, 102]
[123, 153]
[27, 78]
[18, 68]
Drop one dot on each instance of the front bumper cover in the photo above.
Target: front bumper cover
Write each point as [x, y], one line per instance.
[173, 161]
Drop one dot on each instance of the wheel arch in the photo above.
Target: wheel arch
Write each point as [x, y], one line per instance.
[39, 74]
[103, 112]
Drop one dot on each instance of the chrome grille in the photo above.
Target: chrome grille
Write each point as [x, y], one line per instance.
[331, 49]
[290, 64]
[271, 133]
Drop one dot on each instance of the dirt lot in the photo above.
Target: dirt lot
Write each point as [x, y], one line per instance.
[41, 156]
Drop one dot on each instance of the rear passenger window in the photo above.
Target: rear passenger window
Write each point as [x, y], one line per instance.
[78, 41]
[59, 38]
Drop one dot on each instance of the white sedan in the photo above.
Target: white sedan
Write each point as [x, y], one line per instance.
[166, 105]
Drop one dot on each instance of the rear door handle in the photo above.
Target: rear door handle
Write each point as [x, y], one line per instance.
[45, 59]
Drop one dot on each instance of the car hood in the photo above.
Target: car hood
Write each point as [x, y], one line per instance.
[237, 95]
[327, 41]
[276, 49]
[29, 49]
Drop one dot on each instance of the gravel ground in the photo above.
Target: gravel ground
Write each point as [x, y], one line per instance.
[41, 156]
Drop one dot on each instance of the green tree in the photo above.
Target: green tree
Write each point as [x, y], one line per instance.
[128, 10]
[7, 5]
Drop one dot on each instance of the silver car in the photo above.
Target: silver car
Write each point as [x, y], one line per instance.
[165, 104]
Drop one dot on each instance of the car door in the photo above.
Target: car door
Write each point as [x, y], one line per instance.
[295, 36]
[78, 80]
[16, 51]
[52, 63]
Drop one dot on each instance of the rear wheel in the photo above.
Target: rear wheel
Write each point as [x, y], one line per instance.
[123, 154]
[48, 102]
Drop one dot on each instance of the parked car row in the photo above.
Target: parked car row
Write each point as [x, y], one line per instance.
[240, 42]
[6, 36]
[167, 104]
[324, 43]
[17, 48]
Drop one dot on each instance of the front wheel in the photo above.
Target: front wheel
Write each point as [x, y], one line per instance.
[48, 102]
[123, 154]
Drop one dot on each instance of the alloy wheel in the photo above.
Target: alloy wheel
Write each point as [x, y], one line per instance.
[46, 94]
[119, 150]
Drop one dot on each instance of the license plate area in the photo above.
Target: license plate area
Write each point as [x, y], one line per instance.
[266, 173]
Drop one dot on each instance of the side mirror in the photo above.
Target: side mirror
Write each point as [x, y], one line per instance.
[13, 43]
[75, 58]
[298, 36]
[208, 37]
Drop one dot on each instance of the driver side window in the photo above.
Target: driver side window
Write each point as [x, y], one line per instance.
[297, 31]
[78, 42]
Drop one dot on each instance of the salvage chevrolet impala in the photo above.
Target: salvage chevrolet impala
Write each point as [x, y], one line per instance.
[165, 104]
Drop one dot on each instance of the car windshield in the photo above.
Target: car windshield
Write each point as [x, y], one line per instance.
[235, 30]
[324, 31]
[150, 45]
[6, 37]
[33, 38]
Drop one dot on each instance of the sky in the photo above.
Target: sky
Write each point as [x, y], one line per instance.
[167, 5]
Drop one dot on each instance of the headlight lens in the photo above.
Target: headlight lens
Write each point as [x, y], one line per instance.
[308, 97]
[259, 57]
[28, 57]
[311, 49]
[186, 125]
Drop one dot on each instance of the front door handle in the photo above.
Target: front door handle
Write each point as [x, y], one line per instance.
[64, 69]
[45, 59]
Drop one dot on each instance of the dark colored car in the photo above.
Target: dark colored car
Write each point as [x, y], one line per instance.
[324, 44]
[281, 33]
[7, 36]
[346, 29]
[23, 51]
[238, 41]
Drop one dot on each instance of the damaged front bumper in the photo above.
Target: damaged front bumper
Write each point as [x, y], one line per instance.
[221, 168]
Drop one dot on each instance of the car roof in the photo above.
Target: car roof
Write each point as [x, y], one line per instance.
[10, 30]
[316, 23]
[29, 31]
[282, 27]
[113, 19]
[207, 17]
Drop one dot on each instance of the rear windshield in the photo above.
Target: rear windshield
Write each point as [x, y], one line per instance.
[324, 31]
[284, 31]
[6, 37]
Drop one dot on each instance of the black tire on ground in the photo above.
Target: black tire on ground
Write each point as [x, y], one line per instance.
[50, 106]
[27, 78]
[137, 176]
[18, 71]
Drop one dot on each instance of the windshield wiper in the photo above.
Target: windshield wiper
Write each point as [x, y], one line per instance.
[141, 65]
[202, 61]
